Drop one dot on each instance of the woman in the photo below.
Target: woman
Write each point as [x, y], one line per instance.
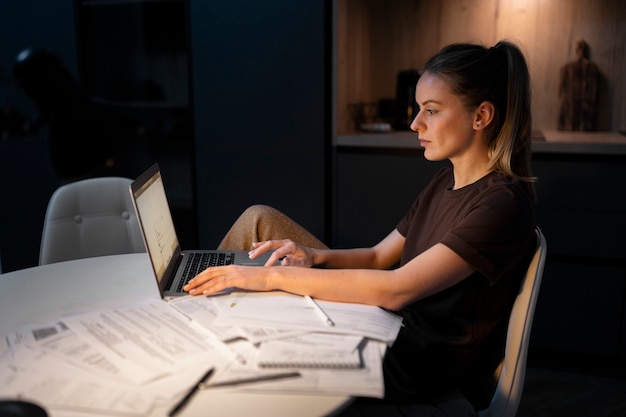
[462, 247]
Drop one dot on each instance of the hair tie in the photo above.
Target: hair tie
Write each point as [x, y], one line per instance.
[496, 54]
[493, 50]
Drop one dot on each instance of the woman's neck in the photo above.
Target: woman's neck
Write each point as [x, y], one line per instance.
[470, 172]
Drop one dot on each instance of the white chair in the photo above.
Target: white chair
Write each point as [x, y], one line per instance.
[510, 385]
[92, 217]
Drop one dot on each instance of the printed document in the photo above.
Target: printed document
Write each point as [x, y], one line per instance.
[149, 340]
[288, 311]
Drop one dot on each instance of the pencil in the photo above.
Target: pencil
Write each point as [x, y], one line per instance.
[259, 378]
[190, 393]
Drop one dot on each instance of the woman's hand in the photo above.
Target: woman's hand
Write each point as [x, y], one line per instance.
[253, 278]
[288, 252]
[219, 278]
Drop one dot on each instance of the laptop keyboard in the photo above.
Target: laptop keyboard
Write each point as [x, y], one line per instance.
[198, 262]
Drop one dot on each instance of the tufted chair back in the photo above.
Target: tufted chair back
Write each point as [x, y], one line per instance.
[91, 217]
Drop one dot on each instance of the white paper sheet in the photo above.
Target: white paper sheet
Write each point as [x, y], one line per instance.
[65, 390]
[57, 339]
[287, 311]
[204, 310]
[149, 340]
[36, 375]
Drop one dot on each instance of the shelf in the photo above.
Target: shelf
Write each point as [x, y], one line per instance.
[586, 143]
[379, 140]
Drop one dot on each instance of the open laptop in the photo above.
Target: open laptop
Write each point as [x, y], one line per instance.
[172, 266]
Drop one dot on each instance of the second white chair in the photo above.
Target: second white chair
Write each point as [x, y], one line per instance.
[91, 217]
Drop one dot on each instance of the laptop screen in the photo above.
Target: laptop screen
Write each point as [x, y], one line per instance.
[155, 219]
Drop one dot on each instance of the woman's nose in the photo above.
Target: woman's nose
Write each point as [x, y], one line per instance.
[416, 126]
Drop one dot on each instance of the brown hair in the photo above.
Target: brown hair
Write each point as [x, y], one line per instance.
[499, 75]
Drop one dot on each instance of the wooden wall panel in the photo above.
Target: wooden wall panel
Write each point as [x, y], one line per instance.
[386, 41]
[545, 60]
[352, 59]
[467, 21]
[393, 36]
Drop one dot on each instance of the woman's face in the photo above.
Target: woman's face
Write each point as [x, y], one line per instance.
[444, 125]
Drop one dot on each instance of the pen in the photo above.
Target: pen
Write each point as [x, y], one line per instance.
[319, 310]
[260, 378]
[191, 392]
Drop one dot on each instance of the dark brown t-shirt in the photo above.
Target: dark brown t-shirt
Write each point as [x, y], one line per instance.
[454, 339]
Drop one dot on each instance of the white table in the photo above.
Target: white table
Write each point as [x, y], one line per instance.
[45, 293]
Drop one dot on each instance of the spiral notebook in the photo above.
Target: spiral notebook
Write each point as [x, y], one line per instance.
[278, 354]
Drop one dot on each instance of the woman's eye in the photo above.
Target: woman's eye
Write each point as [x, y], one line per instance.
[426, 110]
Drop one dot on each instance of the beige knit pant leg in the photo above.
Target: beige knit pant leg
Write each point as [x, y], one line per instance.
[259, 223]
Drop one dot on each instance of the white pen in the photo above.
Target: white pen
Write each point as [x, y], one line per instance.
[319, 310]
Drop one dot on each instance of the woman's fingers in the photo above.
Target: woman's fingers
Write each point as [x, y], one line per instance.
[212, 279]
[280, 248]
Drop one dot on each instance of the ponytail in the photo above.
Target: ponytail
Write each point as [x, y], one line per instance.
[510, 150]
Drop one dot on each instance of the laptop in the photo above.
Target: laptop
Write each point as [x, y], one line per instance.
[173, 267]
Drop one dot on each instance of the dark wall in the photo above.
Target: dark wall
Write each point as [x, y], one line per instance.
[261, 77]
[26, 176]
[260, 91]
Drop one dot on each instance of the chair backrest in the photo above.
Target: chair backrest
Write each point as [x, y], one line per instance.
[91, 217]
[508, 393]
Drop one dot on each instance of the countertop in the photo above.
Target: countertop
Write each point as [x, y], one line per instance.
[546, 141]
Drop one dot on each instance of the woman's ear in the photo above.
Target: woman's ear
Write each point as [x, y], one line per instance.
[483, 115]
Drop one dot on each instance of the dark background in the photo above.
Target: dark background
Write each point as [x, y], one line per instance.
[230, 98]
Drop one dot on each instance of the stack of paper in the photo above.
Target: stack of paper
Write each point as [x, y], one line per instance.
[282, 332]
[123, 361]
[106, 361]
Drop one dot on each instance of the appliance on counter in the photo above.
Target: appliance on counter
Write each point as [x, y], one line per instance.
[406, 107]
